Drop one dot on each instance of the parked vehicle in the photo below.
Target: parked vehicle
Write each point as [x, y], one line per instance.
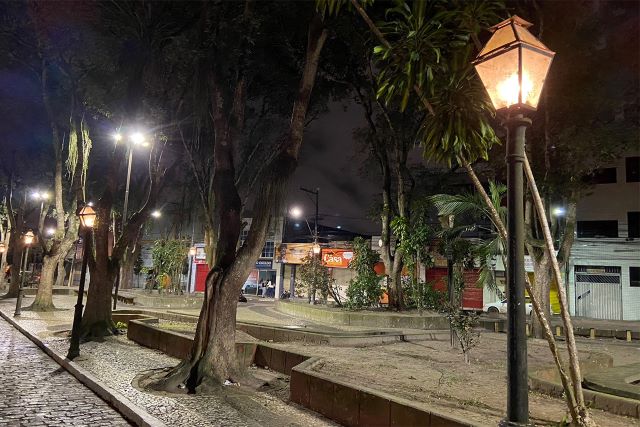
[501, 307]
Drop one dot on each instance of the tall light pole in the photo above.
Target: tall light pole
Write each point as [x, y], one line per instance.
[28, 240]
[87, 220]
[135, 139]
[513, 66]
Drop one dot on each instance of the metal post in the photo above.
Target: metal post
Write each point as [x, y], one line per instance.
[451, 292]
[316, 221]
[74, 348]
[124, 222]
[517, 389]
[18, 310]
[126, 191]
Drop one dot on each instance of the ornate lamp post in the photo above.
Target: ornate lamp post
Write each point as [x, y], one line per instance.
[28, 240]
[513, 66]
[87, 220]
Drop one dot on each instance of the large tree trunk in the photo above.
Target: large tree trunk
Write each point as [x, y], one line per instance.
[61, 272]
[3, 258]
[213, 356]
[44, 296]
[96, 319]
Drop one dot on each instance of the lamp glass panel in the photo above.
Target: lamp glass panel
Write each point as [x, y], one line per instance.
[535, 65]
[529, 38]
[501, 37]
[499, 76]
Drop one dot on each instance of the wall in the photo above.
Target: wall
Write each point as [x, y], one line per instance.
[612, 201]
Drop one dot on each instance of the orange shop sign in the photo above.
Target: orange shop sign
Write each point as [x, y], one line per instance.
[337, 258]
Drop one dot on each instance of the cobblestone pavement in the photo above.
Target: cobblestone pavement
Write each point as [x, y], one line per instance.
[117, 361]
[36, 391]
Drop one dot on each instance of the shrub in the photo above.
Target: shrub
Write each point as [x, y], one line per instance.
[364, 290]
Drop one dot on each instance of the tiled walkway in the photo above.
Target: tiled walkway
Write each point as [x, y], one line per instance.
[36, 391]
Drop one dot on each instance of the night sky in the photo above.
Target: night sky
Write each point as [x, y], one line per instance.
[330, 160]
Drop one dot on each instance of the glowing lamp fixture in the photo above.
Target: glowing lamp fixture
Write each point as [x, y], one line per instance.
[192, 251]
[50, 231]
[316, 248]
[3, 248]
[87, 216]
[295, 212]
[156, 214]
[559, 211]
[138, 139]
[28, 237]
[117, 137]
[40, 195]
[513, 65]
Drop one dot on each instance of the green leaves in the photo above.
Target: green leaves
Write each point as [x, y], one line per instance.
[364, 290]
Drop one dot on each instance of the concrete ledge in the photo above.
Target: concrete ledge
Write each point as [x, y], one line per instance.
[616, 380]
[500, 325]
[361, 318]
[337, 339]
[545, 381]
[345, 403]
[124, 406]
[353, 406]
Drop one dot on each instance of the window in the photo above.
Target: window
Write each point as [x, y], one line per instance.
[597, 228]
[634, 277]
[633, 219]
[601, 176]
[632, 165]
[269, 249]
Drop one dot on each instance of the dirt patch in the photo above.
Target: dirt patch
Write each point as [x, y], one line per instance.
[434, 374]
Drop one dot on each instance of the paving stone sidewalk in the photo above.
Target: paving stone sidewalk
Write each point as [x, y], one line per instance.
[36, 391]
[117, 361]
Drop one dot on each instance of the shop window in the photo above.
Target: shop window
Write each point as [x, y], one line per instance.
[633, 220]
[634, 277]
[269, 250]
[597, 229]
[632, 166]
[601, 176]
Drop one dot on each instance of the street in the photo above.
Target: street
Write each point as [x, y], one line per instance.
[36, 391]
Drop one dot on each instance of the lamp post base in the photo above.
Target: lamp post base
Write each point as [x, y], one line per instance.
[507, 423]
[18, 311]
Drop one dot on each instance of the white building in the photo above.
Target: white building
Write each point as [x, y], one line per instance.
[604, 269]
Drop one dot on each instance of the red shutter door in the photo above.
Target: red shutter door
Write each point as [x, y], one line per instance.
[201, 275]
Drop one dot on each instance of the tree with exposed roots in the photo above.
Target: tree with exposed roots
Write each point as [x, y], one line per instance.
[212, 359]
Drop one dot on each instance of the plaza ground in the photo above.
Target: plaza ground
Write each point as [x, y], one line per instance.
[427, 372]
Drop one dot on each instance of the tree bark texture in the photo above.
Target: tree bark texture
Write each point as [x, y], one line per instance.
[44, 296]
[61, 272]
[213, 356]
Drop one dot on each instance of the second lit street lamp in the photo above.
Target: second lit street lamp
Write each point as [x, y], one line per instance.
[513, 66]
[87, 220]
[28, 240]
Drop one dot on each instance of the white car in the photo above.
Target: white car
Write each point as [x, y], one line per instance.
[501, 307]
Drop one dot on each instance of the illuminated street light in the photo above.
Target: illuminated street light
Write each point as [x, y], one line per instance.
[117, 137]
[50, 231]
[513, 66]
[316, 248]
[137, 138]
[87, 219]
[295, 212]
[559, 211]
[156, 214]
[27, 238]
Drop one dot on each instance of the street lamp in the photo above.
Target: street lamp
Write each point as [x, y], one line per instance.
[28, 240]
[513, 66]
[192, 254]
[156, 214]
[87, 220]
[42, 196]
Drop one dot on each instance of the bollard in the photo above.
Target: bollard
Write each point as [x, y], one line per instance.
[592, 333]
[628, 336]
[496, 327]
[558, 331]
[528, 332]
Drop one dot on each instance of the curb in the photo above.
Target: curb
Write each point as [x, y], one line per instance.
[119, 402]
